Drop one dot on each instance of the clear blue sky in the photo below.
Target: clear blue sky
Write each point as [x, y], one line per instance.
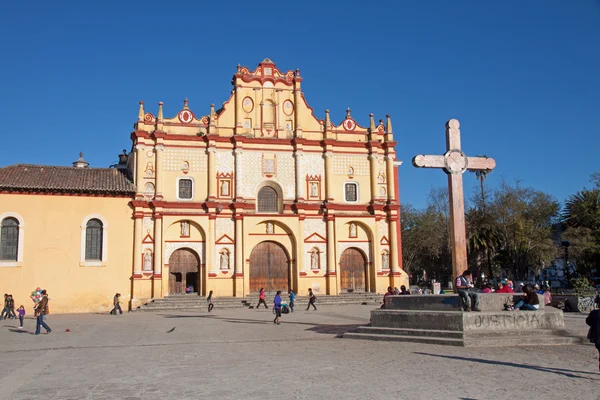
[523, 77]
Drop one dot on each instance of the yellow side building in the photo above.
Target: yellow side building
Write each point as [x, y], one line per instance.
[259, 193]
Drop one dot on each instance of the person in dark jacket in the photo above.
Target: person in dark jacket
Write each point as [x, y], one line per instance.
[593, 320]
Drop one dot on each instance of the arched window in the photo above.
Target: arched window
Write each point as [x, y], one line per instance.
[268, 200]
[93, 240]
[9, 239]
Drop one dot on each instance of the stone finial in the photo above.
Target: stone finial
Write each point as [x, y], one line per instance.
[297, 72]
[213, 115]
[388, 127]
[239, 68]
[371, 122]
[160, 111]
[327, 120]
[185, 104]
[348, 116]
[81, 163]
[141, 111]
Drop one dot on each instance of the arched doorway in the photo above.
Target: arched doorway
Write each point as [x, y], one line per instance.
[184, 272]
[269, 268]
[353, 266]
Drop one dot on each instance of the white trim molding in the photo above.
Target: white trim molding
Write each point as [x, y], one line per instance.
[21, 239]
[82, 260]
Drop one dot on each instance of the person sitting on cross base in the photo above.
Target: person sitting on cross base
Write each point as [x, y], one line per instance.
[469, 298]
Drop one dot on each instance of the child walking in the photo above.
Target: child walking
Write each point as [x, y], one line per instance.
[209, 300]
[21, 312]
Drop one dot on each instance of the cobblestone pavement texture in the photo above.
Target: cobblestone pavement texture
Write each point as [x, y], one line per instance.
[241, 354]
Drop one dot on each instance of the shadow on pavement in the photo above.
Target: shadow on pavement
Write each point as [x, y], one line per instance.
[15, 330]
[559, 371]
[337, 330]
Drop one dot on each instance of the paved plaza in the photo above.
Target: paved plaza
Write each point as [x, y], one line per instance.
[241, 354]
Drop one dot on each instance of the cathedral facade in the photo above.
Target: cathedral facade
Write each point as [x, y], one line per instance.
[259, 193]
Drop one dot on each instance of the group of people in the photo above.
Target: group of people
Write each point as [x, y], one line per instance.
[41, 310]
[278, 305]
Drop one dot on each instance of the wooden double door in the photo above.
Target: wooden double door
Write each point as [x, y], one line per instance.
[353, 271]
[269, 268]
[184, 272]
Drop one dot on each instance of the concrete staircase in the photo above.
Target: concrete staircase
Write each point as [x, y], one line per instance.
[194, 302]
[460, 338]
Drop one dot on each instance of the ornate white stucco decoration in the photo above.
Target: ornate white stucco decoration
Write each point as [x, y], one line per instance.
[364, 246]
[313, 164]
[225, 226]
[219, 249]
[360, 164]
[198, 247]
[225, 161]
[314, 225]
[148, 226]
[250, 171]
[174, 157]
[384, 229]
[286, 174]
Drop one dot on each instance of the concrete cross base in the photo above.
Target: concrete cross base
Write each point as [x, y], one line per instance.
[458, 328]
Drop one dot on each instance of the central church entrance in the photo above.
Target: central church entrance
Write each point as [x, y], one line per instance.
[184, 272]
[269, 268]
[352, 271]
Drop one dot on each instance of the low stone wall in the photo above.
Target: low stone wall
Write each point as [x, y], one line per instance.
[491, 321]
[452, 302]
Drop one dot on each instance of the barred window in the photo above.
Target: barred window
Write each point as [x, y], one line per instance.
[185, 189]
[268, 201]
[351, 190]
[93, 240]
[9, 239]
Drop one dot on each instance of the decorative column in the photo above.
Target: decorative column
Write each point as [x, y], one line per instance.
[212, 171]
[140, 148]
[257, 109]
[211, 263]
[300, 183]
[278, 111]
[297, 101]
[238, 110]
[394, 266]
[239, 257]
[376, 246]
[390, 176]
[159, 149]
[331, 257]
[328, 155]
[158, 258]
[238, 173]
[302, 270]
[137, 258]
[373, 168]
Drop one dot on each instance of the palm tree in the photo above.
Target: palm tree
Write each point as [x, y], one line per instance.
[582, 210]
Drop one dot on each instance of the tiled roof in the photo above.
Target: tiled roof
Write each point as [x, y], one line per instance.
[45, 178]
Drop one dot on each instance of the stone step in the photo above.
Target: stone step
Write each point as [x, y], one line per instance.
[410, 332]
[203, 306]
[403, 338]
[516, 340]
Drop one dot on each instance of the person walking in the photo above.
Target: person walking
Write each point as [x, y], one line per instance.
[11, 307]
[277, 307]
[311, 300]
[4, 313]
[261, 299]
[593, 321]
[210, 302]
[292, 300]
[40, 311]
[117, 304]
[21, 312]
[469, 298]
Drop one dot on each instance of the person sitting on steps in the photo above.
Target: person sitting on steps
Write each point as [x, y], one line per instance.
[469, 298]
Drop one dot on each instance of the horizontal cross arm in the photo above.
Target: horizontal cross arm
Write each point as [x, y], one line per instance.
[423, 161]
[476, 163]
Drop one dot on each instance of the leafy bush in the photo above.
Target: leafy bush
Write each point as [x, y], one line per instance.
[581, 286]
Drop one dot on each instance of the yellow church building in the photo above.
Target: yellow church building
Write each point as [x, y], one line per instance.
[259, 193]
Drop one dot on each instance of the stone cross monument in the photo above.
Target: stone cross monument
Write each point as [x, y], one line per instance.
[454, 162]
